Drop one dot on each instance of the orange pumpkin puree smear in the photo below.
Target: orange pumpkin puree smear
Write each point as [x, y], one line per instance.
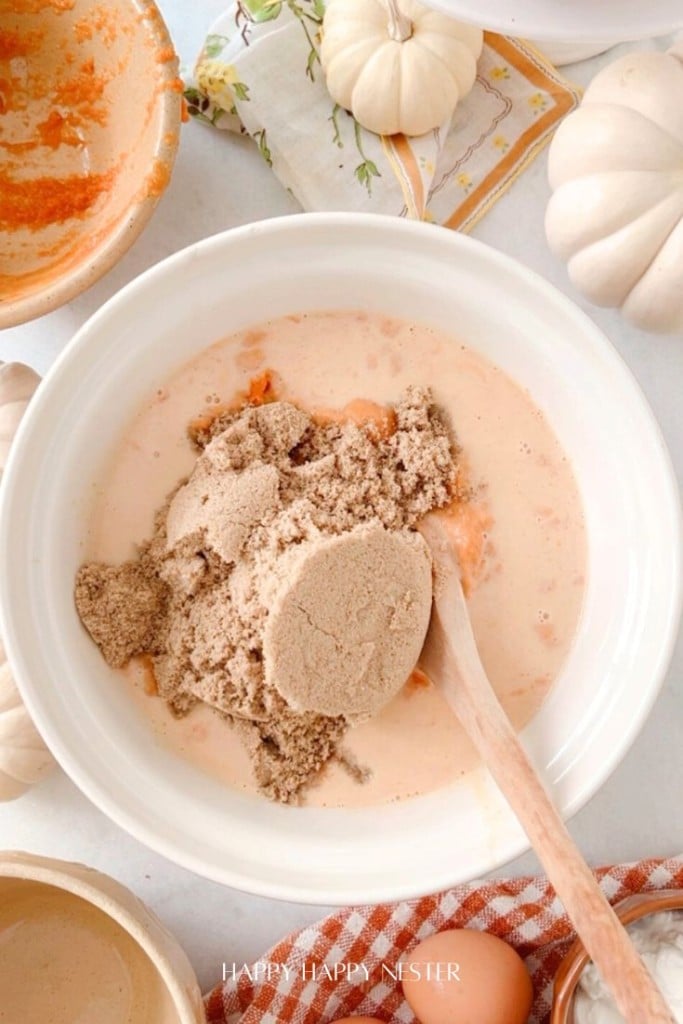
[360, 410]
[35, 6]
[14, 45]
[259, 391]
[37, 202]
[59, 130]
[158, 178]
[262, 389]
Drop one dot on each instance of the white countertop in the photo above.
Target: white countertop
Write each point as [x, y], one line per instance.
[220, 181]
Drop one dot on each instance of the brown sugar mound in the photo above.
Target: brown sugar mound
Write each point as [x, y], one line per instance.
[347, 620]
[124, 608]
[270, 484]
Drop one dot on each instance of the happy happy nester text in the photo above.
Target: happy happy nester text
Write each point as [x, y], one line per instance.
[265, 970]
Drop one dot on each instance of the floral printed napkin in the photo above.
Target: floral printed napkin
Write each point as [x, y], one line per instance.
[259, 72]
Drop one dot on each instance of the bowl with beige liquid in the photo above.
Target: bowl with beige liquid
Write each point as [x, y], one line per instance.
[226, 399]
[77, 945]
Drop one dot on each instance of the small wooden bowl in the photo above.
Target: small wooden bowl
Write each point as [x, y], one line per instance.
[90, 109]
[570, 970]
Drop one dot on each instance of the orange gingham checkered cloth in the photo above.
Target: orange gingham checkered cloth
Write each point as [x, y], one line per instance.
[523, 911]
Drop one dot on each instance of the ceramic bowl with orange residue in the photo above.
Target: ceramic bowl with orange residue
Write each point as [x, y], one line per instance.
[91, 105]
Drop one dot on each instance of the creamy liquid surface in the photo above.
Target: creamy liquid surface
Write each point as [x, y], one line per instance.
[526, 603]
[64, 961]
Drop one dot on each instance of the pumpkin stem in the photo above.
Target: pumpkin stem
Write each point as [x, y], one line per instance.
[400, 27]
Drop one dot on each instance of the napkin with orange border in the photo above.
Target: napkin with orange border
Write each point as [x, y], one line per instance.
[523, 911]
[259, 73]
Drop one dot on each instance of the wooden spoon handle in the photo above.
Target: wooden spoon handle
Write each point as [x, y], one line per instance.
[450, 652]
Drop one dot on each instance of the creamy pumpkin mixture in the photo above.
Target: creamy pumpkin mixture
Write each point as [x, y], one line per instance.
[64, 961]
[348, 428]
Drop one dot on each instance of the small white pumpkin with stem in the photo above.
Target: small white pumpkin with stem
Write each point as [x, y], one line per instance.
[396, 65]
[616, 168]
[24, 758]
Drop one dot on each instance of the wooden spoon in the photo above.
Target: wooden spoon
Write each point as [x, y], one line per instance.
[451, 660]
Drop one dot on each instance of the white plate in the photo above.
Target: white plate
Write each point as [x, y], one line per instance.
[576, 21]
[334, 261]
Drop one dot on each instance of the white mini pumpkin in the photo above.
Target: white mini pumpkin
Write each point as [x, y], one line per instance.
[17, 384]
[616, 168]
[24, 758]
[396, 65]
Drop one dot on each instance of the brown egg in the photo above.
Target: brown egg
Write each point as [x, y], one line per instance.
[358, 1020]
[466, 977]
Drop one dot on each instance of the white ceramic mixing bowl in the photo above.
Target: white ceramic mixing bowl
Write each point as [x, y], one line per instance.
[410, 270]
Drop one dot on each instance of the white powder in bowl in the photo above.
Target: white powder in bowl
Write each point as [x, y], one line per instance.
[659, 940]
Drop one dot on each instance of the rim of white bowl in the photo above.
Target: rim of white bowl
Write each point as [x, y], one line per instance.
[598, 347]
[586, 22]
